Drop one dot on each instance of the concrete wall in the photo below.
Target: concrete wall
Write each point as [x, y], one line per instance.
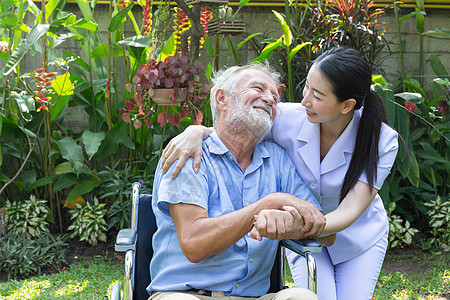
[432, 44]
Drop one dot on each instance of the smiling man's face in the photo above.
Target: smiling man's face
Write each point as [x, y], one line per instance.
[253, 106]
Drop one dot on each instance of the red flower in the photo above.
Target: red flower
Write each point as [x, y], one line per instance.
[40, 78]
[3, 46]
[410, 106]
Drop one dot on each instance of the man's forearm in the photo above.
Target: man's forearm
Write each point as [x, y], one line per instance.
[201, 236]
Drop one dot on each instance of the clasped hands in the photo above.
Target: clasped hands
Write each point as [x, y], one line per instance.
[285, 224]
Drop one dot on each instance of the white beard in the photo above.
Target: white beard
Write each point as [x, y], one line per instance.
[249, 120]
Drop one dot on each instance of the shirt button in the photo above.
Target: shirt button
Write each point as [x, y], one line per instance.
[251, 259]
[237, 285]
[313, 185]
[230, 157]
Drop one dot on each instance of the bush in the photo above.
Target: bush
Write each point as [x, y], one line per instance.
[400, 231]
[29, 217]
[439, 221]
[21, 257]
[89, 222]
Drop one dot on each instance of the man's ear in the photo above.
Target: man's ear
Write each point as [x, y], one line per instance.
[348, 105]
[220, 99]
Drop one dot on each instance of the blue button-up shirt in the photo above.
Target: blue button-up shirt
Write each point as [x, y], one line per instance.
[221, 187]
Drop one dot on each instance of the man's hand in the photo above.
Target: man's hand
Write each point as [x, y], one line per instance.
[278, 224]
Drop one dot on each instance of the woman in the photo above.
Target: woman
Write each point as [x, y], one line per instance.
[343, 149]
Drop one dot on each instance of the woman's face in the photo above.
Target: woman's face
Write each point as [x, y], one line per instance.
[322, 105]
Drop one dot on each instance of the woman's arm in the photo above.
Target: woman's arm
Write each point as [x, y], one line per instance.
[186, 144]
[351, 207]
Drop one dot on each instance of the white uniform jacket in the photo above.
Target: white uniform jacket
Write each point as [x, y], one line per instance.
[301, 139]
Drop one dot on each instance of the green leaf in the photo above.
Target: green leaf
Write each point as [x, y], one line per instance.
[5, 5]
[414, 171]
[285, 28]
[296, 49]
[66, 167]
[62, 85]
[417, 88]
[247, 39]
[169, 48]
[114, 137]
[85, 10]
[35, 34]
[65, 21]
[25, 103]
[140, 41]
[243, 2]
[88, 25]
[103, 49]
[378, 79]
[8, 20]
[232, 50]
[444, 81]
[79, 61]
[266, 53]
[65, 181]
[72, 152]
[59, 104]
[85, 186]
[119, 18]
[42, 181]
[420, 18]
[49, 8]
[437, 66]
[411, 97]
[439, 31]
[402, 19]
[208, 46]
[92, 141]
[431, 155]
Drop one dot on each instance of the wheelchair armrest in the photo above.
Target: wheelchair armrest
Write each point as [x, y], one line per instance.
[302, 246]
[126, 240]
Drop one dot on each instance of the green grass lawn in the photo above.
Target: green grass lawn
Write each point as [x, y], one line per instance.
[432, 283]
[85, 279]
[93, 279]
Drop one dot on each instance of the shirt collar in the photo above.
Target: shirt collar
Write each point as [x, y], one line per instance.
[216, 146]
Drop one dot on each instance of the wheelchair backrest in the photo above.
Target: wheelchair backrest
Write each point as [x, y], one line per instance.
[146, 227]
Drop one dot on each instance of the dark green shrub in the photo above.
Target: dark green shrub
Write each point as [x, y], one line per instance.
[21, 257]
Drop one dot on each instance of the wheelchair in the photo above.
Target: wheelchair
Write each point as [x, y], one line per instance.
[136, 243]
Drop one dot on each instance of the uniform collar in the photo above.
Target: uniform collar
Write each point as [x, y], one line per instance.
[309, 150]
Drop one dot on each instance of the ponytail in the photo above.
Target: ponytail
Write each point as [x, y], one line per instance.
[365, 155]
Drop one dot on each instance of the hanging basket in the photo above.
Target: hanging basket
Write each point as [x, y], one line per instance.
[162, 96]
[207, 2]
[226, 26]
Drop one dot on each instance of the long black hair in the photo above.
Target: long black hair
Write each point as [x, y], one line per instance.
[351, 76]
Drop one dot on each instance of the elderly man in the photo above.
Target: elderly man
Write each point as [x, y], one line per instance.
[203, 247]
